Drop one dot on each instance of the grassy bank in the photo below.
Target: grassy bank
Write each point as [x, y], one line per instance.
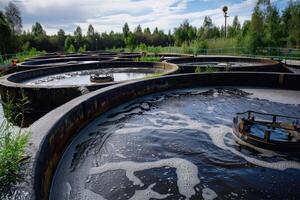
[21, 56]
[12, 148]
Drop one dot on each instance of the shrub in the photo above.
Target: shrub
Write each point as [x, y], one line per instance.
[207, 69]
[12, 144]
[148, 59]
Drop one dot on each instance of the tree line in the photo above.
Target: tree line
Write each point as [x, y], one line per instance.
[268, 27]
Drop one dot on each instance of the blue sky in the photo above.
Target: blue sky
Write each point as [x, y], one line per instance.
[107, 15]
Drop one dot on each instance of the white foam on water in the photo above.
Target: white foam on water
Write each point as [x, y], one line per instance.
[210, 109]
[174, 121]
[208, 194]
[275, 95]
[187, 172]
[148, 194]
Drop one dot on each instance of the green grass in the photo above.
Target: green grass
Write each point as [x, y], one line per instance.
[148, 59]
[12, 144]
[155, 75]
[12, 148]
[208, 69]
[22, 56]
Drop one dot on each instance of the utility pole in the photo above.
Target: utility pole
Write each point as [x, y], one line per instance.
[225, 9]
[96, 44]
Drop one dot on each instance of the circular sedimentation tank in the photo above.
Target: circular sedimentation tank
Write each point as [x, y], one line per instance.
[48, 88]
[227, 63]
[165, 138]
[58, 55]
[168, 56]
[62, 61]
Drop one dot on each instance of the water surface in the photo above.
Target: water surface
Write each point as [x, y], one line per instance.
[179, 145]
[83, 77]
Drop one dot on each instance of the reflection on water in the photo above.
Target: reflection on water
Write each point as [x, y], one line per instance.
[176, 145]
[83, 77]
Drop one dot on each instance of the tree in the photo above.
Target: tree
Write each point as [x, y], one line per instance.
[208, 30]
[235, 28]
[138, 30]
[273, 31]
[90, 38]
[291, 23]
[256, 30]
[69, 43]
[61, 39]
[91, 31]
[78, 37]
[185, 33]
[126, 30]
[131, 42]
[147, 31]
[5, 35]
[13, 16]
[207, 23]
[38, 30]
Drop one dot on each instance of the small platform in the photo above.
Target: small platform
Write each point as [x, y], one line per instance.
[268, 131]
[101, 78]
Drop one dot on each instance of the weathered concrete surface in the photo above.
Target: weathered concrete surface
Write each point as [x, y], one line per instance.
[57, 55]
[45, 98]
[63, 61]
[253, 64]
[52, 133]
[292, 65]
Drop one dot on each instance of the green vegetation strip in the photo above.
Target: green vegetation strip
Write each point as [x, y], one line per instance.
[12, 149]
[148, 59]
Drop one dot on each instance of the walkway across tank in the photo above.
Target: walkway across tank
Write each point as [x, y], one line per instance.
[48, 88]
[166, 138]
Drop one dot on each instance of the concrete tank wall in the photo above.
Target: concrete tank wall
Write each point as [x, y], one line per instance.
[52, 133]
[259, 65]
[45, 98]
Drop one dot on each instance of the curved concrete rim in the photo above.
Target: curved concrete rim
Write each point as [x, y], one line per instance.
[44, 98]
[222, 57]
[8, 80]
[57, 55]
[251, 64]
[52, 62]
[53, 132]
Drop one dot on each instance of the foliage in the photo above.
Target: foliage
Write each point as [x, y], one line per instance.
[267, 28]
[207, 69]
[184, 34]
[13, 16]
[148, 59]
[71, 49]
[37, 30]
[131, 42]
[5, 34]
[155, 75]
[12, 146]
[22, 56]
[82, 49]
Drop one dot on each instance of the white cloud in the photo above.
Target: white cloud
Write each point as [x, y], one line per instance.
[106, 15]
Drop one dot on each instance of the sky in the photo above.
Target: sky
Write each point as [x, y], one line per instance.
[107, 15]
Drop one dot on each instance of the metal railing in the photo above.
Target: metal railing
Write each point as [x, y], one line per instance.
[270, 125]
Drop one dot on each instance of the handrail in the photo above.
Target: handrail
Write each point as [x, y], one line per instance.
[272, 125]
[266, 114]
